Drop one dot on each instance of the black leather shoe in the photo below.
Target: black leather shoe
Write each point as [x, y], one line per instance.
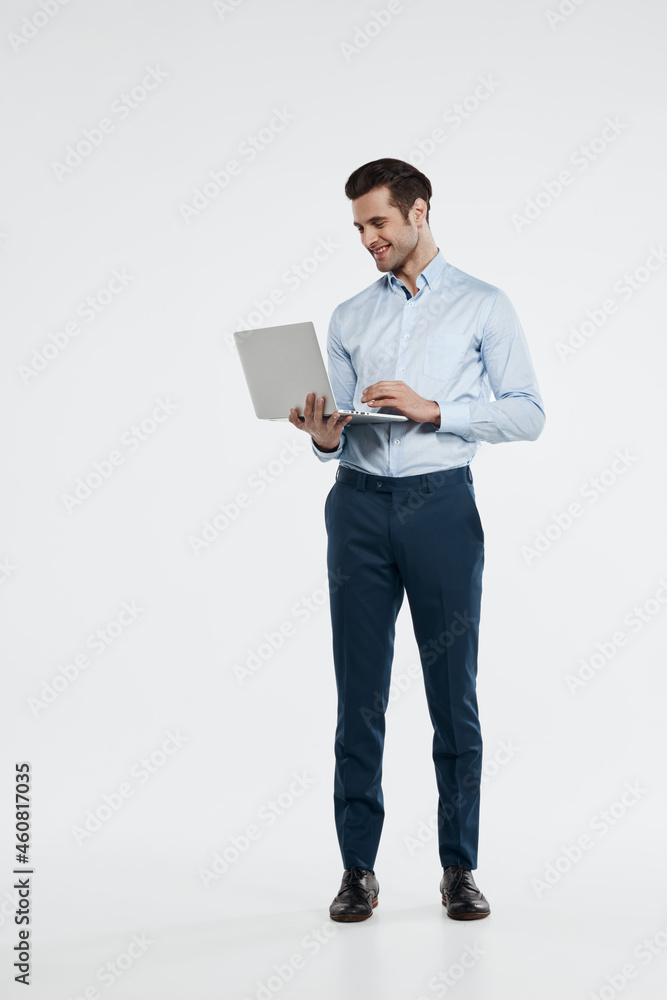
[357, 896]
[461, 896]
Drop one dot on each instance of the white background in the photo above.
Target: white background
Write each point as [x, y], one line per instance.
[354, 95]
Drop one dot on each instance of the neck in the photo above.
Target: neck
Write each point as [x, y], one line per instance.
[412, 267]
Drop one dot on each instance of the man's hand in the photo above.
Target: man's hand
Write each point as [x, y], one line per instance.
[404, 400]
[325, 433]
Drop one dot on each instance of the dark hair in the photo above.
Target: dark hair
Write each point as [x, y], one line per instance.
[404, 181]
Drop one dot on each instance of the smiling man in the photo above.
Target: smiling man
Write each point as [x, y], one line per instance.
[446, 350]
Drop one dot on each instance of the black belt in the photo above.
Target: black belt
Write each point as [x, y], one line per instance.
[425, 483]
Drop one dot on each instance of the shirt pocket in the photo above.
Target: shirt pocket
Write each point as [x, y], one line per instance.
[444, 354]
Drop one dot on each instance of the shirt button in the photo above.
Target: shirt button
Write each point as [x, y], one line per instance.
[397, 440]
[407, 336]
[402, 369]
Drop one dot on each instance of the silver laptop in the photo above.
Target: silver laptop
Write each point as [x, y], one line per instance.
[282, 364]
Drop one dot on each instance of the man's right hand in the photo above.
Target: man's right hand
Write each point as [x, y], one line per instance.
[325, 433]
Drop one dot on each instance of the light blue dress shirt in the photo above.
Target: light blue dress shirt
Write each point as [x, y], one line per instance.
[459, 342]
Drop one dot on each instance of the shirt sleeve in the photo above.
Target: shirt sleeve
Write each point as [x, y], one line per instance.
[343, 380]
[517, 412]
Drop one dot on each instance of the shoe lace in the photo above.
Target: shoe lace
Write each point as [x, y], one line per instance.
[458, 873]
[357, 872]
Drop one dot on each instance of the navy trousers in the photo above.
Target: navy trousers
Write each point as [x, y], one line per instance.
[419, 535]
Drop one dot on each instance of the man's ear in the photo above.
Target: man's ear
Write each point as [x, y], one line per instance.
[419, 209]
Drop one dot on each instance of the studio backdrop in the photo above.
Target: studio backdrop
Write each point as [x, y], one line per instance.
[174, 172]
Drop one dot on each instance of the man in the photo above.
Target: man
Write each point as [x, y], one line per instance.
[430, 342]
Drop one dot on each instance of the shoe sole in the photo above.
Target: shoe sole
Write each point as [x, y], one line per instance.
[465, 916]
[355, 917]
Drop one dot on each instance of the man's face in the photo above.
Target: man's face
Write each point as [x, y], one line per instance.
[383, 230]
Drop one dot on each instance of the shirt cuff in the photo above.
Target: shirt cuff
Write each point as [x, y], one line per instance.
[326, 456]
[455, 419]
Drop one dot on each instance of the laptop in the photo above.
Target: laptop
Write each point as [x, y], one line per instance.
[282, 364]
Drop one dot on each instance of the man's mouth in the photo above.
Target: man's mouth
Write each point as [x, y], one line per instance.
[381, 251]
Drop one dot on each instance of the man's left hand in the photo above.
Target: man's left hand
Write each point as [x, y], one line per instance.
[404, 400]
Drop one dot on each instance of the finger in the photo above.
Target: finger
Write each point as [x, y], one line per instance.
[373, 391]
[336, 421]
[308, 411]
[319, 409]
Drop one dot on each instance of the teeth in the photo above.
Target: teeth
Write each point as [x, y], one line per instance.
[381, 249]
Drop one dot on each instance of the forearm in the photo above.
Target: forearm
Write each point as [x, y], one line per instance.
[513, 418]
[326, 454]
[326, 451]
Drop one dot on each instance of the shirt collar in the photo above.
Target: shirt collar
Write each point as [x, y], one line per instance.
[430, 274]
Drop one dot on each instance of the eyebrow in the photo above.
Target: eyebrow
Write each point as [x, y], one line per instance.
[376, 218]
